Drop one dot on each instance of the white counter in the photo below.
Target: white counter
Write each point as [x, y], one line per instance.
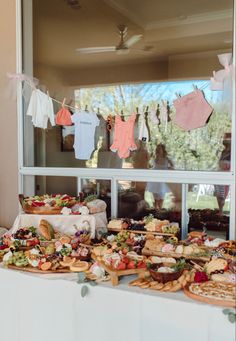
[35, 308]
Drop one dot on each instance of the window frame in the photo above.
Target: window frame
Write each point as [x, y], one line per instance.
[114, 175]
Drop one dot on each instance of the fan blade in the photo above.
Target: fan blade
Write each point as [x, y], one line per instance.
[96, 49]
[133, 40]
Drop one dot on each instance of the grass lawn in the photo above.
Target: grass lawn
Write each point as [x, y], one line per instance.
[204, 201]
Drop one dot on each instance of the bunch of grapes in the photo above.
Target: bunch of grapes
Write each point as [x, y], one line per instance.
[18, 259]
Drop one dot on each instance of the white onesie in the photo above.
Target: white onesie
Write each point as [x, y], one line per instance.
[41, 109]
[143, 130]
[85, 125]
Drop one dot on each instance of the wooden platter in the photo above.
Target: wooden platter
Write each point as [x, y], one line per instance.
[148, 252]
[141, 232]
[36, 270]
[204, 299]
[115, 274]
[38, 210]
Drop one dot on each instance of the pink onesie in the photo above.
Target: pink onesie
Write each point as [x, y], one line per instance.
[124, 136]
[192, 110]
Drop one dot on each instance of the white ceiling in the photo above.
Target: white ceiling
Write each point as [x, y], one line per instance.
[169, 27]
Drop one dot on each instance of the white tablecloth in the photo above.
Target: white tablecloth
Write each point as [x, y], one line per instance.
[65, 224]
[34, 308]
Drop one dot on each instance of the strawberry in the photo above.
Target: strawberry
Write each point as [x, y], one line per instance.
[74, 245]
[125, 260]
[3, 247]
[131, 265]
[121, 266]
[32, 242]
[141, 265]
[130, 241]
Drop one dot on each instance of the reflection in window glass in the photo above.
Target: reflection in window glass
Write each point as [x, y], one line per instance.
[167, 146]
[138, 199]
[209, 208]
[100, 188]
[50, 185]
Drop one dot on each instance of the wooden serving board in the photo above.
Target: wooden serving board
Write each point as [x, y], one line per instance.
[142, 232]
[115, 274]
[207, 300]
[36, 270]
[147, 252]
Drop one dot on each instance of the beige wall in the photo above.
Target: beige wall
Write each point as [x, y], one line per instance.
[8, 126]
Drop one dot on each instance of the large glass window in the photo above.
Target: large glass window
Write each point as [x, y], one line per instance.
[164, 146]
[138, 199]
[156, 54]
[209, 208]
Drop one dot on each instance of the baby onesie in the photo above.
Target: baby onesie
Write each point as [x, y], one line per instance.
[124, 136]
[143, 130]
[41, 109]
[192, 110]
[85, 125]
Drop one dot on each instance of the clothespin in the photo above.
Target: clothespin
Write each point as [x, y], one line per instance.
[194, 87]
[98, 112]
[86, 107]
[147, 108]
[177, 95]
[137, 110]
[63, 102]
[48, 93]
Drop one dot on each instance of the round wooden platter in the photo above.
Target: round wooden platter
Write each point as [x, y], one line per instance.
[36, 270]
[222, 303]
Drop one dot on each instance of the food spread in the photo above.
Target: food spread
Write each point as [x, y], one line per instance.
[201, 265]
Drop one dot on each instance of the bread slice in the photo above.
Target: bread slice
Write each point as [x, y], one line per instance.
[46, 229]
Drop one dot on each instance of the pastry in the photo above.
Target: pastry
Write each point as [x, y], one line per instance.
[65, 239]
[115, 224]
[79, 266]
[46, 229]
[226, 277]
[218, 264]
[176, 287]
[67, 261]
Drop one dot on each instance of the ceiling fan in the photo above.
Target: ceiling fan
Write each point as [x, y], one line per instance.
[123, 47]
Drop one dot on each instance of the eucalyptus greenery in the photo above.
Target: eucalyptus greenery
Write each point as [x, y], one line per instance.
[83, 280]
[231, 315]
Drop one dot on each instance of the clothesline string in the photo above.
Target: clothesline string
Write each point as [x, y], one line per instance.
[123, 115]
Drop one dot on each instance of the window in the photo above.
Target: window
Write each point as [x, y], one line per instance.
[209, 208]
[166, 60]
